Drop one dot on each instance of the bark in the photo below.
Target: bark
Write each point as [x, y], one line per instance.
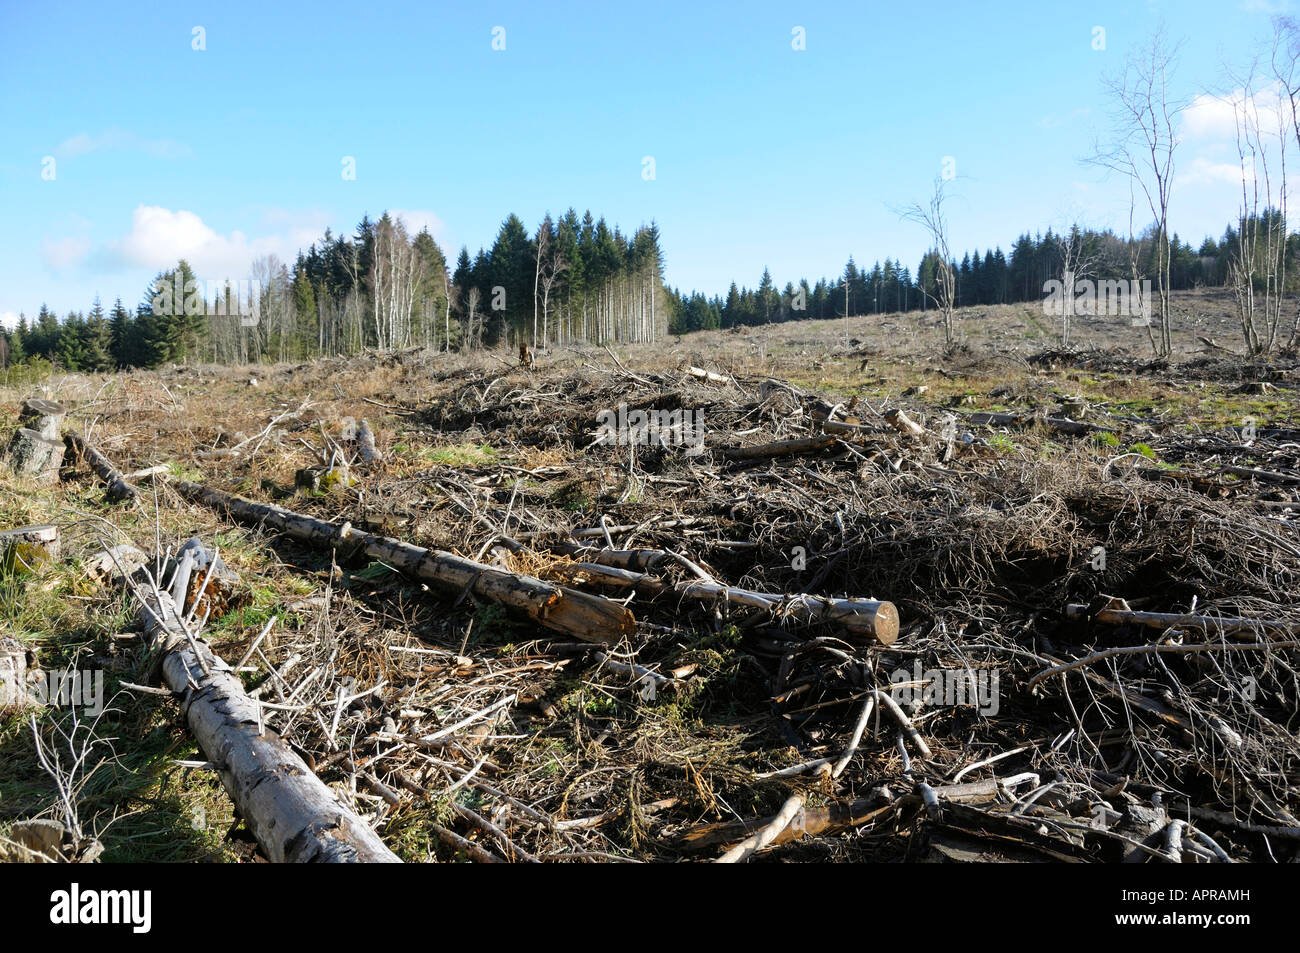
[782, 448]
[292, 814]
[118, 487]
[867, 620]
[903, 423]
[1209, 624]
[13, 674]
[35, 456]
[574, 613]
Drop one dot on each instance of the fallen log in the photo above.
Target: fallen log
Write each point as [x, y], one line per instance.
[33, 455]
[866, 619]
[710, 376]
[118, 487]
[1211, 625]
[577, 614]
[26, 548]
[782, 448]
[289, 810]
[43, 416]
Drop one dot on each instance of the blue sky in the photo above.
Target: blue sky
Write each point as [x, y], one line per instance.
[763, 155]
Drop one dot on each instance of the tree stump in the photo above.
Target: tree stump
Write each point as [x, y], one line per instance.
[43, 416]
[27, 548]
[318, 479]
[34, 455]
[203, 584]
[13, 675]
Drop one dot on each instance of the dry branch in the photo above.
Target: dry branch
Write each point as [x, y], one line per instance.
[1218, 625]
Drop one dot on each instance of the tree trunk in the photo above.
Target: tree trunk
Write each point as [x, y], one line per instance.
[576, 614]
[290, 811]
[118, 487]
[13, 675]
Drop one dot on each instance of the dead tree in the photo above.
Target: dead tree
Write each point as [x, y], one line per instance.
[935, 221]
[289, 810]
[1143, 150]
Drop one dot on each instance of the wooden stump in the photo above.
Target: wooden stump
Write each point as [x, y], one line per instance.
[203, 584]
[27, 548]
[43, 416]
[361, 440]
[13, 675]
[33, 455]
[320, 479]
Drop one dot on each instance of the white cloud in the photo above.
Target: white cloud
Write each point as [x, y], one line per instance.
[62, 253]
[85, 143]
[9, 319]
[159, 237]
[1216, 117]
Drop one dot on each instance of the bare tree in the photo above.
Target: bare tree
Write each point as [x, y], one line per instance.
[1078, 262]
[1143, 150]
[1257, 265]
[934, 220]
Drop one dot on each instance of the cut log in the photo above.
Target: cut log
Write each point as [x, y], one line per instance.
[867, 620]
[710, 376]
[1209, 624]
[782, 448]
[32, 455]
[292, 814]
[321, 479]
[832, 818]
[364, 441]
[27, 548]
[43, 416]
[118, 487]
[903, 423]
[577, 614]
[115, 563]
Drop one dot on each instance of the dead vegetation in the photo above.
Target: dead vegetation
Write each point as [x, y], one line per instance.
[748, 698]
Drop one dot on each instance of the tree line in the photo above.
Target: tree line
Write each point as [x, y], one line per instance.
[992, 277]
[572, 280]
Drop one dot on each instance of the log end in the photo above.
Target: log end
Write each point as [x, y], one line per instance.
[885, 623]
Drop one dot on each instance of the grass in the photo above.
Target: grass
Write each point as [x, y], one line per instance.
[460, 455]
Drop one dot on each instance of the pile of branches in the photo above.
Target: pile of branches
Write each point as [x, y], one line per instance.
[851, 620]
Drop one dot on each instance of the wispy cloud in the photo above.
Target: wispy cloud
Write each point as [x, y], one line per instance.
[85, 143]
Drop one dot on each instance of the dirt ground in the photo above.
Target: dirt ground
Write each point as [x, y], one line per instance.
[1103, 480]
